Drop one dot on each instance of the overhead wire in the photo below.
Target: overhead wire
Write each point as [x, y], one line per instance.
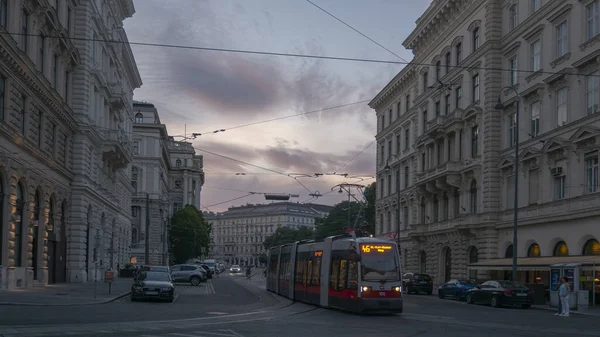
[292, 55]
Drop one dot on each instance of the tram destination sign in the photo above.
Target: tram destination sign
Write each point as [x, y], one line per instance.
[375, 248]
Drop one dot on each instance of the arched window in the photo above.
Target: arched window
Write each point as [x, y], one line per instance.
[436, 208]
[134, 236]
[561, 249]
[139, 118]
[513, 17]
[445, 206]
[425, 81]
[448, 62]
[20, 207]
[458, 51]
[178, 163]
[473, 192]
[509, 252]
[475, 38]
[591, 247]
[534, 250]
[422, 210]
[422, 262]
[438, 70]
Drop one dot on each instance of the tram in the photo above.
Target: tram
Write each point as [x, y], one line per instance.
[342, 272]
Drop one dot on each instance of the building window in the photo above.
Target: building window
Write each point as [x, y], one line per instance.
[458, 92]
[510, 191]
[513, 17]
[593, 19]
[591, 172]
[20, 207]
[406, 138]
[447, 100]
[535, 119]
[382, 121]
[406, 181]
[475, 38]
[398, 144]
[476, 91]
[139, 118]
[405, 218]
[512, 129]
[425, 81]
[535, 5]
[178, 162]
[562, 100]
[407, 103]
[514, 72]
[53, 136]
[458, 53]
[438, 70]
[397, 186]
[381, 185]
[438, 109]
[178, 184]
[390, 115]
[136, 148]
[382, 154]
[536, 49]
[3, 12]
[390, 149]
[389, 184]
[42, 51]
[424, 120]
[67, 85]
[474, 141]
[473, 192]
[54, 70]
[562, 42]
[423, 209]
[22, 104]
[436, 208]
[448, 61]
[592, 94]
[559, 187]
[69, 19]
[24, 30]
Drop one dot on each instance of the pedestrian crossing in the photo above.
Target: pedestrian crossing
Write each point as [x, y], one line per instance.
[216, 333]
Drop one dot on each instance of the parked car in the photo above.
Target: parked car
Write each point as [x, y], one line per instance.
[192, 273]
[153, 285]
[456, 289]
[500, 293]
[417, 283]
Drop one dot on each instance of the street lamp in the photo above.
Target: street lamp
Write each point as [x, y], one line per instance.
[500, 106]
[387, 168]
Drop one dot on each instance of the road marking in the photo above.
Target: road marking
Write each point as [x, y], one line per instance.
[217, 313]
[203, 333]
[175, 298]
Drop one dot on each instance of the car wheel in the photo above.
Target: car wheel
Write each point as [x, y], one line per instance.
[195, 280]
[172, 299]
[494, 302]
[525, 306]
[469, 299]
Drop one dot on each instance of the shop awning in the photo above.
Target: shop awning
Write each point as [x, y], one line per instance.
[535, 263]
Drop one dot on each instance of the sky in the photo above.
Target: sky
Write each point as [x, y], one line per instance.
[199, 91]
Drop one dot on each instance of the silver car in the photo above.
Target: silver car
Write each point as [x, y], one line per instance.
[188, 273]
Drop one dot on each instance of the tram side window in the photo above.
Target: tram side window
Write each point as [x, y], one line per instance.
[299, 269]
[309, 270]
[343, 275]
[316, 274]
[335, 272]
[352, 275]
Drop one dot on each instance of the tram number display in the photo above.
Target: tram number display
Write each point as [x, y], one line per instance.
[375, 248]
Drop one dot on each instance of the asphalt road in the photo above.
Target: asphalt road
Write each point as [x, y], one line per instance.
[239, 309]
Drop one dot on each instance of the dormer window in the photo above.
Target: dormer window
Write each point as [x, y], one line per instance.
[178, 163]
[139, 118]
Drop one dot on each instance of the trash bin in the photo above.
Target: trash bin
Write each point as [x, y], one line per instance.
[583, 300]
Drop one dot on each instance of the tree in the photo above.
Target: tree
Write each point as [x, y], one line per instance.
[189, 234]
[336, 222]
[368, 224]
[286, 235]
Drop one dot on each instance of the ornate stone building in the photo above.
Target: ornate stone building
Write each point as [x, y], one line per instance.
[452, 152]
[238, 234]
[158, 183]
[36, 136]
[100, 207]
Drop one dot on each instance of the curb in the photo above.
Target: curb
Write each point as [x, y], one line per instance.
[573, 312]
[109, 300]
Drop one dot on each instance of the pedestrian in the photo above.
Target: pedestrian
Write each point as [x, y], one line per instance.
[563, 295]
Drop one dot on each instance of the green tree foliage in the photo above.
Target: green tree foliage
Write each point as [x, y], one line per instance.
[368, 223]
[189, 234]
[337, 221]
[286, 235]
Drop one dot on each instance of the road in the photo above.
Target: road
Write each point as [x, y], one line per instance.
[237, 308]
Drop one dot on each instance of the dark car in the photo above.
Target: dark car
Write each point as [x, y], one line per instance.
[456, 289]
[418, 283]
[209, 273]
[153, 285]
[501, 293]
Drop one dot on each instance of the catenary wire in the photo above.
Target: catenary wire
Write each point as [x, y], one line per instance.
[356, 30]
[355, 156]
[335, 58]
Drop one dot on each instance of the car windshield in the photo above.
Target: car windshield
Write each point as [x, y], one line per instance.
[235, 266]
[422, 277]
[155, 276]
[512, 285]
[466, 282]
[379, 262]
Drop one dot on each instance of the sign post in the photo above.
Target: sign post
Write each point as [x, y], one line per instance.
[108, 278]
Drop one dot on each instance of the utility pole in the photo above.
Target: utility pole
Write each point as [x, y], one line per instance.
[147, 250]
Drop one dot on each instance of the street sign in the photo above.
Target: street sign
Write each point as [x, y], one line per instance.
[108, 276]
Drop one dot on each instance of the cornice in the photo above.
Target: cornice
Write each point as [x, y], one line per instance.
[403, 80]
[529, 22]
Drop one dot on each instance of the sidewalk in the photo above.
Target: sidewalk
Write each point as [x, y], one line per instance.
[67, 294]
[589, 312]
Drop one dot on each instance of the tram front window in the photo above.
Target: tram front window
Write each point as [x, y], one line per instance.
[379, 263]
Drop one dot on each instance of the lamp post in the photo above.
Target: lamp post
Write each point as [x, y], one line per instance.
[500, 106]
[387, 168]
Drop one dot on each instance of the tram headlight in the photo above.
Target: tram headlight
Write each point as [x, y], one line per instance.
[398, 289]
[365, 289]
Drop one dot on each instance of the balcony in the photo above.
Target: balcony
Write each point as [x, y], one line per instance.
[441, 176]
[116, 148]
[117, 96]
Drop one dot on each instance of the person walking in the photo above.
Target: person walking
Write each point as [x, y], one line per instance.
[563, 295]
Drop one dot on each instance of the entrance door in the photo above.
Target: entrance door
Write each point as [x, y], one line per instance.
[51, 262]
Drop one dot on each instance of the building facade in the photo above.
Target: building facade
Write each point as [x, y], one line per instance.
[446, 154]
[36, 136]
[99, 221]
[238, 234]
